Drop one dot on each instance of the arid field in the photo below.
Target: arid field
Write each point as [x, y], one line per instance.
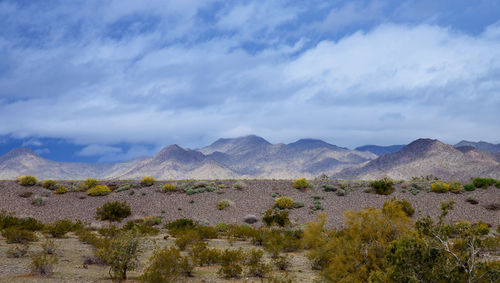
[198, 200]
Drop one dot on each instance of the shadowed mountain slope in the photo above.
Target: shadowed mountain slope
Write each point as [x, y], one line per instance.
[427, 157]
[379, 150]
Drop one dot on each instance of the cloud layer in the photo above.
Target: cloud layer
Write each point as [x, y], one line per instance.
[158, 72]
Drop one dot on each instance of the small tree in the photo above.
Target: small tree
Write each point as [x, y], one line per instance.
[122, 254]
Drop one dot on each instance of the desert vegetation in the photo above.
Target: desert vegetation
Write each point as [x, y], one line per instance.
[273, 245]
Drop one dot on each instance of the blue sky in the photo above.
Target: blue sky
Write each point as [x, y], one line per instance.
[112, 80]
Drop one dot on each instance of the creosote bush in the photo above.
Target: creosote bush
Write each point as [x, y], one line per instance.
[301, 183]
[483, 182]
[43, 263]
[223, 204]
[284, 202]
[49, 184]
[170, 187]
[167, 265]
[469, 187]
[14, 235]
[274, 217]
[148, 181]
[231, 261]
[27, 181]
[99, 190]
[440, 187]
[114, 211]
[91, 182]
[59, 228]
[384, 186]
[61, 190]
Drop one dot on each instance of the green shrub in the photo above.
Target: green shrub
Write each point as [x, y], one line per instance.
[42, 263]
[237, 186]
[14, 235]
[188, 238]
[469, 187]
[406, 206]
[223, 204]
[497, 184]
[456, 188]
[143, 227]
[8, 220]
[90, 183]
[170, 187]
[180, 224]
[17, 251]
[298, 204]
[483, 182]
[231, 261]
[201, 255]
[99, 190]
[384, 186]
[148, 181]
[49, 184]
[255, 265]
[123, 188]
[282, 262]
[221, 227]
[167, 265]
[60, 190]
[279, 218]
[472, 200]
[284, 202]
[328, 188]
[440, 187]
[59, 228]
[113, 211]
[301, 183]
[27, 181]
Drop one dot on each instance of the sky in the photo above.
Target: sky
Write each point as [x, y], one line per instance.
[105, 80]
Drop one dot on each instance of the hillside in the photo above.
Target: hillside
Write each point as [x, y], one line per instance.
[427, 157]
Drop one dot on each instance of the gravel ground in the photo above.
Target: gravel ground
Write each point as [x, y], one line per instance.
[254, 198]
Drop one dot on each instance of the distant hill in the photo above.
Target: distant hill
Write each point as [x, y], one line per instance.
[23, 161]
[254, 157]
[484, 146]
[427, 157]
[379, 150]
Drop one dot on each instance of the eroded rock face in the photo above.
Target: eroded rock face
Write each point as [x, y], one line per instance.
[250, 219]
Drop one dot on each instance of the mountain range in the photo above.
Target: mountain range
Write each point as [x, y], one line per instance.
[254, 157]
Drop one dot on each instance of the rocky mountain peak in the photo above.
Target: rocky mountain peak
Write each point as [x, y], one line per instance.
[304, 144]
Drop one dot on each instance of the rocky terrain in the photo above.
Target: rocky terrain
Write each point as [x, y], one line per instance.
[252, 198]
[425, 157]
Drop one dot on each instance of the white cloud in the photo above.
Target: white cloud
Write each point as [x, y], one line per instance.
[190, 81]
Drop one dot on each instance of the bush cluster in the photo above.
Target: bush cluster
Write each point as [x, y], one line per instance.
[113, 211]
[98, 190]
[59, 228]
[27, 181]
[301, 183]
[284, 202]
[49, 184]
[223, 204]
[14, 235]
[440, 187]
[384, 186]
[483, 182]
[148, 181]
[170, 187]
[61, 190]
[274, 217]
